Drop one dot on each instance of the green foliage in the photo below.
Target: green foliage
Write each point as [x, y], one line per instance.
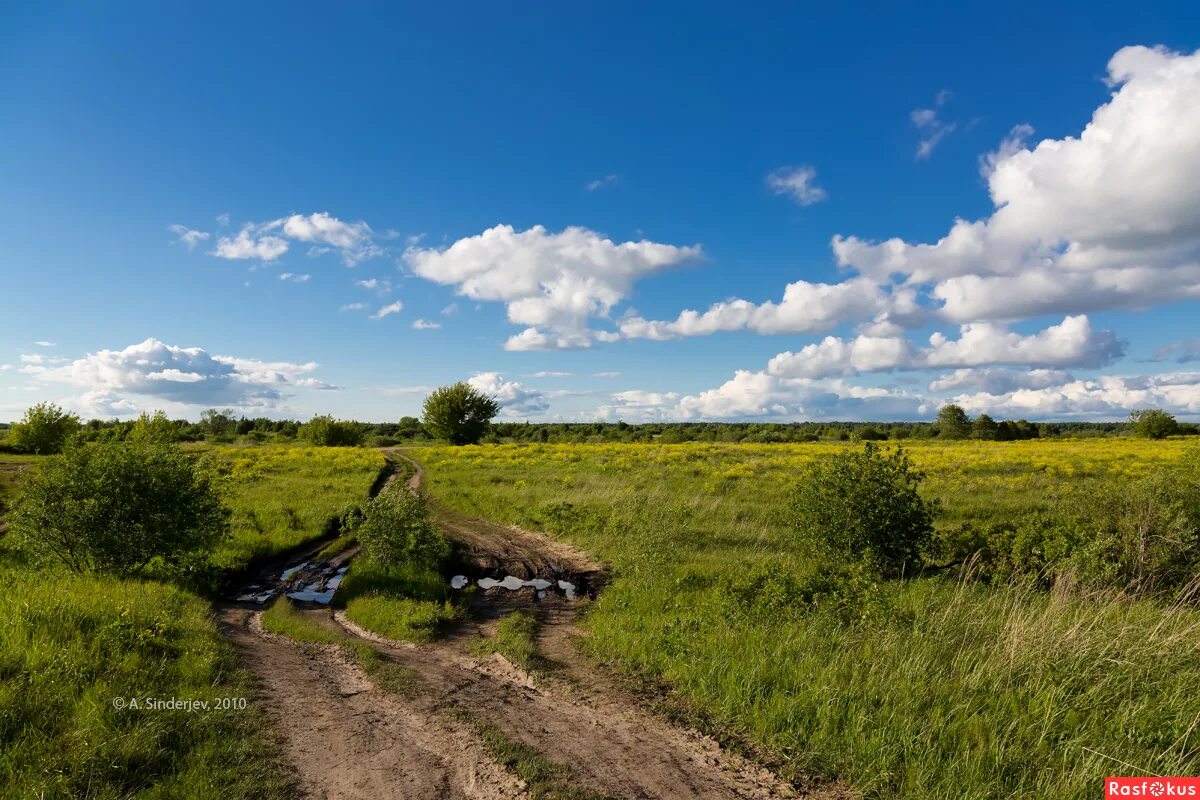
[1153, 423]
[516, 640]
[864, 505]
[401, 617]
[985, 428]
[396, 530]
[117, 508]
[153, 429]
[460, 414]
[325, 431]
[44, 430]
[281, 617]
[953, 423]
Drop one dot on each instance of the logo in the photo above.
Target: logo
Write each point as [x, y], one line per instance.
[1151, 787]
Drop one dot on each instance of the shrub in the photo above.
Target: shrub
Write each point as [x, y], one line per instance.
[396, 530]
[864, 505]
[43, 430]
[116, 508]
[155, 428]
[1153, 423]
[460, 414]
[325, 431]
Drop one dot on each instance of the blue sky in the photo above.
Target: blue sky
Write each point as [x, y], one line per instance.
[189, 196]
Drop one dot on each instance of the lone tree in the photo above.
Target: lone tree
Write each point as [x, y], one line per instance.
[459, 414]
[1153, 423]
[953, 423]
[44, 429]
[863, 506]
[115, 508]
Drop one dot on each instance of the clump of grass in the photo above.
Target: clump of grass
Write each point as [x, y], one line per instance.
[337, 546]
[72, 645]
[401, 617]
[281, 617]
[387, 675]
[544, 779]
[515, 639]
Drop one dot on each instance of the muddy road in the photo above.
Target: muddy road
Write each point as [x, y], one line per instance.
[346, 737]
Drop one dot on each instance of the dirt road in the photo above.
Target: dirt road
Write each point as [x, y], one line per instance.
[347, 738]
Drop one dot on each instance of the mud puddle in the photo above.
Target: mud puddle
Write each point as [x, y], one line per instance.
[540, 586]
[308, 582]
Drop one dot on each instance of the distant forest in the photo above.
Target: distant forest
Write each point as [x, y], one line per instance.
[226, 427]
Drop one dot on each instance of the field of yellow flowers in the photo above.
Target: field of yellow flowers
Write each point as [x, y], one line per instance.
[933, 688]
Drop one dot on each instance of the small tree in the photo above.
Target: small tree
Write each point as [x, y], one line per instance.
[985, 428]
[44, 429]
[864, 505]
[953, 423]
[115, 508]
[1153, 423]
[460, 414]
[325, 431]
[157, 428]
[396, 529]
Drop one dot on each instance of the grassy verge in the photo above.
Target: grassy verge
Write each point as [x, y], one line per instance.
[72, 649]
[402, 602]
[933, 689]
[544, 779]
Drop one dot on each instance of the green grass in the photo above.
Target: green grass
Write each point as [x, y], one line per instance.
[283, 496]
[544, 779]
[936, 690]
[401, 617]
[69, 646]
[515, 639]
[281, 617]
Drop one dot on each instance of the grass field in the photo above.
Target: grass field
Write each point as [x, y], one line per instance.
[932, 688]
[71, 644]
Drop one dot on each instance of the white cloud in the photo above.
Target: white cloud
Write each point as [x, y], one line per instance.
[998, 380]
[187, 236]
[1071, 343]
[600, 183]
[223, 219]
[1009, 147]
[352, 307]
[834, 356]
[267, 241]
[932, 127]
[425, 325]
[609, 374]
[450, 310]
[250, 243]
[799, 183]
[388, 310]
[45, 344]
[535, 339]
[805, 307]
[1107, 396]
[515, 399]
[549, 374]
[5, 367]
[152, 373]
[1181, 352]
[1099, 221]
[294, 278]
[381, 285]
[551, 282]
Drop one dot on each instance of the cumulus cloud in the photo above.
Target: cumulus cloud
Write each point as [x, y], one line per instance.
[354, 242]
[799, 183]
[425, 325]
[381, 285]
[998, 380]
[515, 399]
[153, 373]
[1103, 220]
[187, 236]
[1107, 396]
[553, 283]
[388, 310]
[805, 307]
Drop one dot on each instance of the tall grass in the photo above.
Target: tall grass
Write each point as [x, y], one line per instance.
[72, 647]
[934, 689]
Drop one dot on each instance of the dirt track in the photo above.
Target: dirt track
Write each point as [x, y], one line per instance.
[347, 738]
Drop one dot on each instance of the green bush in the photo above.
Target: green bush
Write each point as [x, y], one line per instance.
[325, 431]
[460, 414]
[117, 508]
[44, 430]
[864, 505]
[1153, 423]
[396, 530]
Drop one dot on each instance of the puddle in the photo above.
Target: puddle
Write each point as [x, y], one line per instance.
[307, 582]
[512, 583]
